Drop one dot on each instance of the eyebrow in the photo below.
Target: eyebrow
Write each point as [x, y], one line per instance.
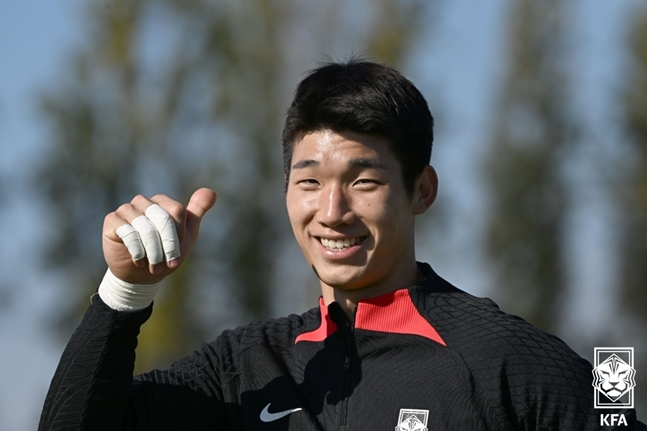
[354, 163]
[366, 163]
[302, 164]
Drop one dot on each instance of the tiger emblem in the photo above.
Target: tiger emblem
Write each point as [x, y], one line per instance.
[412, 420]
[614, 377]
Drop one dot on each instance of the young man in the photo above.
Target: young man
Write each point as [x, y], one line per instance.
[391, 344]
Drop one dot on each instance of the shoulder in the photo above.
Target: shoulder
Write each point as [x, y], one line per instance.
[279, 332]
[478, 327]
[223, 358]
[273, 336]
[513, 363]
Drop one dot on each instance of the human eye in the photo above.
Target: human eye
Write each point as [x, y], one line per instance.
[366, 183]
[308, 183]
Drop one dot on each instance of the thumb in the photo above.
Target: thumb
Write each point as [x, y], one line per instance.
[201, 201]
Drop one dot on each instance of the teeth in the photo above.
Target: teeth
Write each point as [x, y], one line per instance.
[339, 244]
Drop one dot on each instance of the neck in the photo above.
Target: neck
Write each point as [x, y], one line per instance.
[347, 298]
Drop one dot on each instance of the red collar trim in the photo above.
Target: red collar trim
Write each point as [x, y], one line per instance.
[393, 312]
[327, 327]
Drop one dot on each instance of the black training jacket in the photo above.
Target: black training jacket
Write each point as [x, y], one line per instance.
[429, 357]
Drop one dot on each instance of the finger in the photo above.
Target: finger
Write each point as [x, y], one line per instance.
[176, 210]
[132, 241]
[166, 229]
[150, 239]
[113, 232]
[151, 242]
[201, 201]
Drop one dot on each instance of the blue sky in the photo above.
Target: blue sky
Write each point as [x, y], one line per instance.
[459, 63]
[36, 38]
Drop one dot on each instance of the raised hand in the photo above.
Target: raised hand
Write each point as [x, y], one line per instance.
[147, 239]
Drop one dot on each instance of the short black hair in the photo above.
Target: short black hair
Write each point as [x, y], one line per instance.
[361, 96]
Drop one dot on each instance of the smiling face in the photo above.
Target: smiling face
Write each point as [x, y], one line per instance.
[351, 215]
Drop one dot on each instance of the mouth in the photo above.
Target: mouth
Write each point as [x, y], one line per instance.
[340, 244]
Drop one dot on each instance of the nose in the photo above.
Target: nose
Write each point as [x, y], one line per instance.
[334, 207]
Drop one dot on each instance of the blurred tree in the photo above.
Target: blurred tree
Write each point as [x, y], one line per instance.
[632, 195]
[528, 194]
[171, 95]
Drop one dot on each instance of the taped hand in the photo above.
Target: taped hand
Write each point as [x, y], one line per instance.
[147, 239]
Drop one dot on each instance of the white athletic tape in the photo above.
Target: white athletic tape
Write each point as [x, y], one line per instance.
[130, 238]
[166, 228]
[122, 296]
[150, 239]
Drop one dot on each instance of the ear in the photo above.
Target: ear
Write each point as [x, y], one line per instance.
[425, 190]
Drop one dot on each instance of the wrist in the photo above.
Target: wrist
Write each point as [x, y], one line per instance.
[123, 296]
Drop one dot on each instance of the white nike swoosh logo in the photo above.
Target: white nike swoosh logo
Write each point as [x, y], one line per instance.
[266, 416]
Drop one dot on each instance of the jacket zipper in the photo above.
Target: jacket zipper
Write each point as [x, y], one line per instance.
[344, 406]
[348, 339]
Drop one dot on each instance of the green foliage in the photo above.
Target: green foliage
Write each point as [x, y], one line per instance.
[533, 142]
[634, 193]
[632, 198]
[171, 95]
[528, 194]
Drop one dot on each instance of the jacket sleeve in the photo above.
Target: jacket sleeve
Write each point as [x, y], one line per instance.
[93, 387]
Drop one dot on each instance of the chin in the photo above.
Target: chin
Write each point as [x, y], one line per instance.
[343, 281]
